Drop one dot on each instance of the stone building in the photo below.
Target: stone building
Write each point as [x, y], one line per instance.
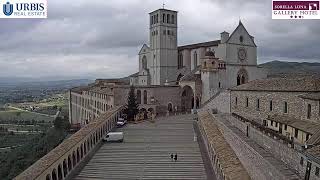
[290, 106]
[171, 77]
[282, 115]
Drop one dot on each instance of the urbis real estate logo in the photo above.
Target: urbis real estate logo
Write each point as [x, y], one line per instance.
[295, 9]
[24, 9]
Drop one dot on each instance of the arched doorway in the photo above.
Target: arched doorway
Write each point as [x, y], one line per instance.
[138, 96]
[178, 78]
[170, 107]
[242, 77]
[197, 103]
[187, 98]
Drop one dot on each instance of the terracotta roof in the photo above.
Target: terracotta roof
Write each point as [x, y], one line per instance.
[312, 96]
[315, 139]
[315, 151]
[299, 84]
[306, 126]
[229, 162]
[54, 155]
[198, 45]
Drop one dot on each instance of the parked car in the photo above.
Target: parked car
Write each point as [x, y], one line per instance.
[121, 122]
[113, 137]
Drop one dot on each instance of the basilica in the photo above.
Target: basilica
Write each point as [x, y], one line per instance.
[171, 77]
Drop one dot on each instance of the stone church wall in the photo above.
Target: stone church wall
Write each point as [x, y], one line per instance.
[221, 102]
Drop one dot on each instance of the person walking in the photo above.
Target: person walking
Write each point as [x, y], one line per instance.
[175, 157]
[171, 157]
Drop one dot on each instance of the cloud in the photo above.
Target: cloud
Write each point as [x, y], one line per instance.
[102, 38]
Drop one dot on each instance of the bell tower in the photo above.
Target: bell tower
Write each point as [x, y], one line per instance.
[163, 46]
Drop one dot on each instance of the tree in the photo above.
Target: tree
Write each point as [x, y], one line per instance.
[61, 123]
[132, 106]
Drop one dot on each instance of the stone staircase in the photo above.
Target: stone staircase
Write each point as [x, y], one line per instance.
[145, 153]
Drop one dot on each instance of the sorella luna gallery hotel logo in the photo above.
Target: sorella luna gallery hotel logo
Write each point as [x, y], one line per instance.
[24, 9]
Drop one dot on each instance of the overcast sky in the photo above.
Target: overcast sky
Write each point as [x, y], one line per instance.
[101, 38]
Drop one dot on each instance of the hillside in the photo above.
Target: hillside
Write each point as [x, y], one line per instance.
[297, 68]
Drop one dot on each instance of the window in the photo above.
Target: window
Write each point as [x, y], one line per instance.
[276, 124]
[285, 107]
[247, 102]
[151, 19]
[271, 123]
[180, 60]
[144, 62]
[168, 32]
[163, 18]
[172, 19]
[145, 97]
[270, 106]
[309, 111]
[236, 101]
[296, 132]
[285, 127]
[317, 172]
[219, 84]
[241, 39]
[168, 18]
[301, 161]
[157, 18]
[195, 59]
[258, 104]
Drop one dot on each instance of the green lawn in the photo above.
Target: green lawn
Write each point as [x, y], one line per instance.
[22, 115]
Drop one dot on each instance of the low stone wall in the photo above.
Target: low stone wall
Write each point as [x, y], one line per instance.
[223, 159]
[64, 160]
[279, 150]
[260, 164]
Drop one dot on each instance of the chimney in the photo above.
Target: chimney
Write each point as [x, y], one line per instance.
[224, 36]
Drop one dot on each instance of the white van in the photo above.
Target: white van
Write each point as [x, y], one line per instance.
[113, 137]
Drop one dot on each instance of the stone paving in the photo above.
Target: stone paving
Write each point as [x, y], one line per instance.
[145, 153]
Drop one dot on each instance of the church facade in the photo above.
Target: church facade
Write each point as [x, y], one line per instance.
[171, 77]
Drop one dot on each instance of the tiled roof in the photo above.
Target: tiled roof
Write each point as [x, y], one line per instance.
[299, 84]
[306, 126]
[315, 139]
[191, 76]
[80, 89]
[229, 162]
[198, 45]
[315, 151]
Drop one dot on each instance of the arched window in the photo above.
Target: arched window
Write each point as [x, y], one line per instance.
[242, 77]
[54, 174]
[59, 172]
[145, 97]
[172, 19]
[65, 169]
[144, 62]
[139, 96]
[180, 60]
[69, 163]
[168, 18]
[195, 59]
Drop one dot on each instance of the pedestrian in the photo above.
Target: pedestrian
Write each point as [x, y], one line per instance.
[171, 157]
[175, 157]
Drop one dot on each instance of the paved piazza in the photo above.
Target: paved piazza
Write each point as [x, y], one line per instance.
[145, 153]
